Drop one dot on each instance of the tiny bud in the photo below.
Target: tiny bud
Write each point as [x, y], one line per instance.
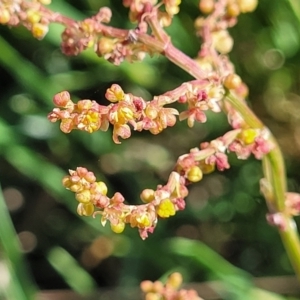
[84, 105]
[117, 198]
[153, 296]
[222, 41]
[83, 197]
[147, 195]
[205, 63]
[33, 16]
[182, 99]
[61, 99]
[207, 168]
[4, 16]
[242, 90]
[157, 286]
[81, 171]
[90, 177]
[114, 93]
[232, 81]
[104, 46]
[175, 280]
[85, 209]
[173, 9]
[67, 182]
[247, 5]
[292, 203]
[151, 112]
[199, 22]
[194, 174]
[233, 10]
[278, 220]
[118, 228]
[171, 120]
[146, 286]
[247, 136]
[39, 30]
[45, 2]
[166, 208]
[101, 188]
[75, 188]
[206, 6]
[165, 20]
[104, 14]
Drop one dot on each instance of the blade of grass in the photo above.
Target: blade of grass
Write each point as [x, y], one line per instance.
[37, 168]
[236, 283]
[74, 275]
[20, 286]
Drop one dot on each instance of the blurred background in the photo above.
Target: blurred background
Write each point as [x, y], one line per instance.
[225, 211]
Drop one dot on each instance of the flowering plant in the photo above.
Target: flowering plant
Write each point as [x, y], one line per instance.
[216, 88]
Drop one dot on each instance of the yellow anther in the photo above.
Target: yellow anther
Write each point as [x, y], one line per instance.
[143, 220]
[85, 209]
[39, 30]
[248, 136]
[84, 196]
[194, 174]
[33, 16]
[101, 188]
[166, 209]
[4, 16]
[118, 228]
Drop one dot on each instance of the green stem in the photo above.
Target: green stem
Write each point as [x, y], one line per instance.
[290, 239]
[249, 117]
[278, 175]
[274, 172]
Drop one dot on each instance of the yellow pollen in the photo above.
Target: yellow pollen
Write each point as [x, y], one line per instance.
[166, 209]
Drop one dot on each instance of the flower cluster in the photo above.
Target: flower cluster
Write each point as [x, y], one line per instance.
[216, 88]
[92, 32]
[30, 14]
[138, 9]
[127, 109]
[213, 155]
[169, 290]
[93, 200]
[222, 15]
[127, 112]
[165, 200]
[216, 40]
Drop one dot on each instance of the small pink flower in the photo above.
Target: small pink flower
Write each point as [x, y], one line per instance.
[292, 202]
[277, 219]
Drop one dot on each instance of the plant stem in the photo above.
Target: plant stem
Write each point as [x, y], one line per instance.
[274, 171]
[290, 239]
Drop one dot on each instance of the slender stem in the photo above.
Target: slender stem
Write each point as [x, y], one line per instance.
[172, 53]
[160, 42]
[278, 175]
[249, 117]
[290, 239]
[274, 172]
